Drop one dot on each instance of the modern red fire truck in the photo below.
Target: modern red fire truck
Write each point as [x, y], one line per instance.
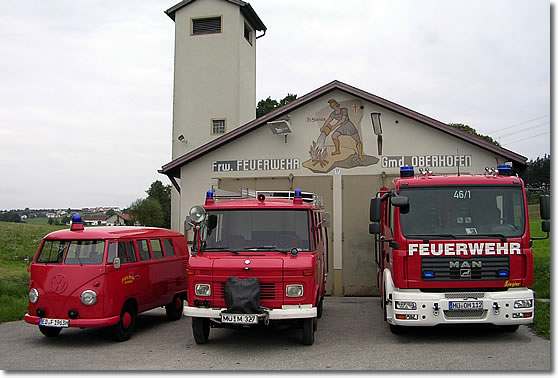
[455, 249]
[255, 261]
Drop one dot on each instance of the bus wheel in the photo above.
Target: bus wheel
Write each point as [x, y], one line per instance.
[200, 328]
[174, 309]
[50, 331]
[308, 331]
[123, 330]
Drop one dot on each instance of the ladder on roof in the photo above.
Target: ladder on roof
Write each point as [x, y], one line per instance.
[315, 199]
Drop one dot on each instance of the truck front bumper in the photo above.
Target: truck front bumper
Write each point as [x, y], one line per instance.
[283, 313]
[498, 307]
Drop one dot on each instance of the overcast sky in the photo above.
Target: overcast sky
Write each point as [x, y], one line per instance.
[86, 87]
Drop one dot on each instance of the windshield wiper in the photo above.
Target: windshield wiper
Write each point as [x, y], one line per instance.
[266, 248]
[502, 237]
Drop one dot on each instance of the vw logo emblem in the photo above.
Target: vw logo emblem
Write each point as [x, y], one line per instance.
[59, 283]
[247, 262]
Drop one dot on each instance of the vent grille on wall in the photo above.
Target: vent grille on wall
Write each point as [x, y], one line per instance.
[206, 25]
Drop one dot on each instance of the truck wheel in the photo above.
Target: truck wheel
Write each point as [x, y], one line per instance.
[320, 307]
[174, 309]
[308, 331]
[396, 329]
[123, 330]
[50, 331]
[200, 328]
[509, 328]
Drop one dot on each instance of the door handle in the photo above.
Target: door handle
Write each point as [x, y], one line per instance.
[137, 276]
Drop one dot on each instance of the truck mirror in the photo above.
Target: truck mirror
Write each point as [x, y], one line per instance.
[374, 228]
[375, 209]
[402, 203]
[212, 222]
[545, 206]
[545, 225]
[116, 263]
[187, 224]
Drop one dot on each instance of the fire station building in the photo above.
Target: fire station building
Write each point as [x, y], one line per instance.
[337, 141]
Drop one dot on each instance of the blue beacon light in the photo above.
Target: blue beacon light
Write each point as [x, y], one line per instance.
[298, 193]
[504, 170]
[209, 194]
[406, 171]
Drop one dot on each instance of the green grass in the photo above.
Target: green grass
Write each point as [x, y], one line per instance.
[541, 280]
[17, 240]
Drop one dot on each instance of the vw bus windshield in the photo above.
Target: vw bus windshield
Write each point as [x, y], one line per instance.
[256, 230]
[79, 252]
[478, 212]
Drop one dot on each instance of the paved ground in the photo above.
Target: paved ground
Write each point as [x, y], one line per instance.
[351, 336]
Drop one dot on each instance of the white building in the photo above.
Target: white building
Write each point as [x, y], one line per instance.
[297, 145]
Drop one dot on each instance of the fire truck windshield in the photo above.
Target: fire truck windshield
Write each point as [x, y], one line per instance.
[256, 230]
[464, 211]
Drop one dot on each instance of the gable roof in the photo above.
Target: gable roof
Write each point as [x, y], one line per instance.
[172, 169]
[245, 8]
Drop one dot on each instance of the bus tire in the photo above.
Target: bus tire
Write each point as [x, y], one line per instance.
[127, 323]
[174, 309]
[50, 331]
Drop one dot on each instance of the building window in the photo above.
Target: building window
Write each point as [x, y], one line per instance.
[218, 126]
[209, 25]
[247, 33]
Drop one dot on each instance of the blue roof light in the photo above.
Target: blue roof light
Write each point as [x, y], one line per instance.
[77, 219]
[504, 170]
[298, 193]
[209, 194]
[407, 171]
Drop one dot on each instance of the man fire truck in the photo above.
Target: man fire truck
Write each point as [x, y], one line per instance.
[455, 249]
[256, 261]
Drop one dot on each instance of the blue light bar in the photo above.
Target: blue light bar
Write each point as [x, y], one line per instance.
[77, 219]
[407, 171]
[298, 193]
[504, 170]
[503, 273]
[209, 194]
[428, 274]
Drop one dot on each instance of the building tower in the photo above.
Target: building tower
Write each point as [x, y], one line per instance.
[214, 70]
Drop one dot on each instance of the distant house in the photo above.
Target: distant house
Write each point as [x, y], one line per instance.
[117, 220]
[95, 220]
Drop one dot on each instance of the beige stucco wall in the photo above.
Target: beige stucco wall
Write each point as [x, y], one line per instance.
[214, 75]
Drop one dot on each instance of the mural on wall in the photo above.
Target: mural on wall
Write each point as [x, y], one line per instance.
[339, 143]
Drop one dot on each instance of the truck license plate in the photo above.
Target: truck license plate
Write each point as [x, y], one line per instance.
[465, 305]
[239, 318]
[61, 323]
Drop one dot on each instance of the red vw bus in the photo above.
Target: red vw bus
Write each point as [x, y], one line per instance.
[106, 276]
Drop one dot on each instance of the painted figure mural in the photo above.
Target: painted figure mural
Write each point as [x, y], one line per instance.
[341, 128]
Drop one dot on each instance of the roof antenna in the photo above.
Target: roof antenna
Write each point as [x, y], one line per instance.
[458, 161]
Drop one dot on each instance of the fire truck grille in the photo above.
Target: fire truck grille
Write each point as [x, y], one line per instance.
[267, 291]
[465, 314]
[464, 295]
[482, 268]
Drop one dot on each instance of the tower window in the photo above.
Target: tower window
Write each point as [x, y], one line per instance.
[218, 126]
[208, 25]
[247, 33]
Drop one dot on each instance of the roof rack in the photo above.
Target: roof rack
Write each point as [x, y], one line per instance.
[315, 199]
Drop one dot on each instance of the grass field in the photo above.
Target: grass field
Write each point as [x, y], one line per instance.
[18, 240]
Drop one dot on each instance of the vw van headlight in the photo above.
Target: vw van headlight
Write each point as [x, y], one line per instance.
[294, 291]
[33, 295]
[88, 297]
[203, 290]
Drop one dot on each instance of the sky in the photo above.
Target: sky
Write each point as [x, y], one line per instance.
[86, 87]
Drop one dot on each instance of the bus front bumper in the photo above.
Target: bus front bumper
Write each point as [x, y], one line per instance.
[79, 323]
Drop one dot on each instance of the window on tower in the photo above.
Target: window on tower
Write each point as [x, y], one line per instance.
[247, 33]
[218, 126]
[207, 25]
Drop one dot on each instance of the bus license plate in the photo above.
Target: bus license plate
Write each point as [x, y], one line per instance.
[239, 318]
[61, 323]
[465, 305]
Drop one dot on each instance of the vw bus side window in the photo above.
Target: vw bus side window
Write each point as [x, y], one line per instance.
[157, 248]
[85, 252]
[169, 250]
[143, 248]
[126, 252]
[52, 252]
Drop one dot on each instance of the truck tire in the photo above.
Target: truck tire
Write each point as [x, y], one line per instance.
[509, 328]
[125, 327]
[308, 331]
[50, 331]
[320, 307]
[200, 329]
[174, 309]
[396, 329]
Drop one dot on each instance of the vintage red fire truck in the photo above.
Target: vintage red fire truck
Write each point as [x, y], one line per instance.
[106, 276]
[255, 261]
[455, 249]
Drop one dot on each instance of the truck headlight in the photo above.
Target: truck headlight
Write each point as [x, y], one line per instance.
[402, 305]
[523, 303]
[294, 291]
[33, 295]
[88, 297]
[203, 290]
